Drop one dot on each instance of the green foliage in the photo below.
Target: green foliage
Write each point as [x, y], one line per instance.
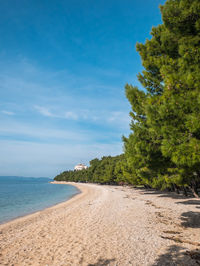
[164, 146]
[108, 170]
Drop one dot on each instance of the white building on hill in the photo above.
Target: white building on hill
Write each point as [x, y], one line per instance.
[80, 166]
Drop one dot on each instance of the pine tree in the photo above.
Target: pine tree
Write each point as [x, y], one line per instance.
[166, 117]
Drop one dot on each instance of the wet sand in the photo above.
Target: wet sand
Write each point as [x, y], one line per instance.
[107, 225]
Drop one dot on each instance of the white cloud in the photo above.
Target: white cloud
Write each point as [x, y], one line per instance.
[116, 118]
[121, 119]
[44, 111]
[71, 115]
[15, 129]
[62, 114]
[7, 112]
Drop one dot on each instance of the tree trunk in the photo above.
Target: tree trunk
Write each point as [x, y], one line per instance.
[176, 189]
[194, 186]
[173, 187]
[185, 191]
[194, 191]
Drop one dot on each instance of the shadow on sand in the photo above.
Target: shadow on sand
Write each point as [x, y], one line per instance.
[168, 194]
[190, 219]
[189, 202]
[164, 194]
[102, 262]
[176, 255]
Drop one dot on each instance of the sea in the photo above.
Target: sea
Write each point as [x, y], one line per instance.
[20, 196]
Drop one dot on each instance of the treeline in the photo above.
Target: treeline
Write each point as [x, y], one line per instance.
[107, 170]
[163, 149]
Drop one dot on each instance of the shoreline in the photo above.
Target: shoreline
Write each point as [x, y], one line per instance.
[105, 225]
[29, 215]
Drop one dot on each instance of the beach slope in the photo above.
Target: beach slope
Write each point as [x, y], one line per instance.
[106, 225]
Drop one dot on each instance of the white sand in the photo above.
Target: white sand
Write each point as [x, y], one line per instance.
[106, 225]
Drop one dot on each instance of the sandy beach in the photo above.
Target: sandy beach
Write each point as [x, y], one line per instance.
[107, 225]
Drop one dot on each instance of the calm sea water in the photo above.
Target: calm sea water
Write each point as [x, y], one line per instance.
[22, 195]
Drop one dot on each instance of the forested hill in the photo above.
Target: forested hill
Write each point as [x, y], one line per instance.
[163, 148]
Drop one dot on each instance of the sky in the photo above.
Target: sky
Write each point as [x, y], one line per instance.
[63, 68]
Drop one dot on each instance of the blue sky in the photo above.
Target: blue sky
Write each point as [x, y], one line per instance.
[63, 67]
